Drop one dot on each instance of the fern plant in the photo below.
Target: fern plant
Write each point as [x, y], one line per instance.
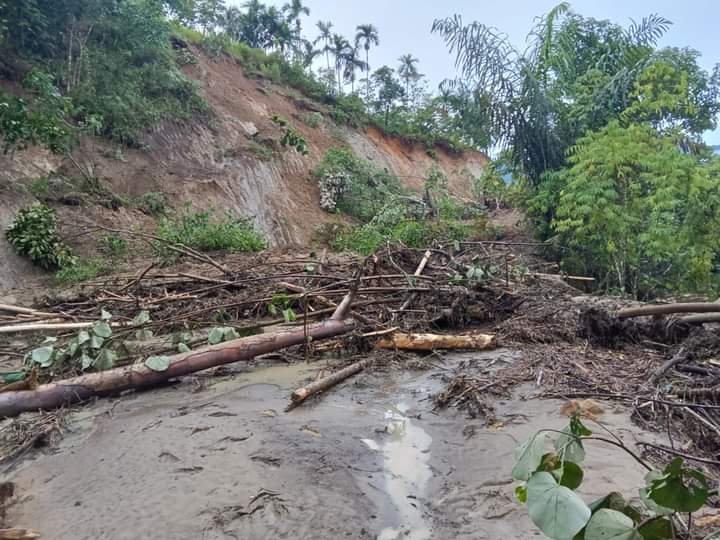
[33, 234]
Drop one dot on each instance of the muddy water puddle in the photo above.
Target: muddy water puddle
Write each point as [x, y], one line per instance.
[371, 460]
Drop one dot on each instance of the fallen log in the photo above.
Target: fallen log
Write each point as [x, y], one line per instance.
[301, 394]
[18, 534]
[432, 342]
[53, 395]
[665, 309]
[700, 319]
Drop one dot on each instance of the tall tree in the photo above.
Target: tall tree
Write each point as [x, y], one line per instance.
[389, 91]
[340, 48]
[326, 37]
[293, 11]
[367, 36]
[408, 71]
[351, 63]
[533, 96]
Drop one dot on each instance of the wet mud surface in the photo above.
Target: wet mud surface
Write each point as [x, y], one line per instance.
[371, 459]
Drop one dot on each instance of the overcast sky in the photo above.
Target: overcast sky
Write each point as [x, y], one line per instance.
[404, 25]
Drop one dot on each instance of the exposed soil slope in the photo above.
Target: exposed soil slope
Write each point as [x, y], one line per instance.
[234, 162]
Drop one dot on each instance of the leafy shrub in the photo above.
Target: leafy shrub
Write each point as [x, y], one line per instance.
[114, 246]
[33, 234]
[353, 185]
[152, 203]
[200, 231]
[349, 110]
[291, 137]
[313, 120]
[550, 479]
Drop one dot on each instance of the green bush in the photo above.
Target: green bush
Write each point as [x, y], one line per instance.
[353, 185]
[203, 232]
[114, 246]
[349, 110]
[152, 203]
[33, 234]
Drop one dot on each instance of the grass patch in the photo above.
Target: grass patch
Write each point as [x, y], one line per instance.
[82, 270]
[205, 232]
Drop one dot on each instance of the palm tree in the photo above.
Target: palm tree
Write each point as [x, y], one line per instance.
[326, 37]
[308, 53]
[293, 10]
[367, 35]
[340, 48]
[408, 71]
[352, 62]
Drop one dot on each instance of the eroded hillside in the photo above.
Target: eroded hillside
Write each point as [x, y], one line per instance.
[234, 161]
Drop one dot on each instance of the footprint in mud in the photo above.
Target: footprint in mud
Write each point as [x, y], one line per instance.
[267, 460]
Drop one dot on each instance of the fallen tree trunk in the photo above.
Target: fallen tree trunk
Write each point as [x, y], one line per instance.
[301, 394]
[431, 342]
[53, 395]
[665, 309]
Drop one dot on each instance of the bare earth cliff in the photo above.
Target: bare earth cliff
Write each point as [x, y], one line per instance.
[232, 162]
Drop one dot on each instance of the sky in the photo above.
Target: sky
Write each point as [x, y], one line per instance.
[404, 25]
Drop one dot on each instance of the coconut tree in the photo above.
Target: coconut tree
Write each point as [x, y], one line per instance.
[367, 36]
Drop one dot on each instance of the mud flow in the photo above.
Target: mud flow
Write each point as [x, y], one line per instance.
[222, 460]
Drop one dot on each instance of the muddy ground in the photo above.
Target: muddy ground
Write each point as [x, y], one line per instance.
[218, 458]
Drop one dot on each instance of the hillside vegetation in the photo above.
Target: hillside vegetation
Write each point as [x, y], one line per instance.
[600, 129]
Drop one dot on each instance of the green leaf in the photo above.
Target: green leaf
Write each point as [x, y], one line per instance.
[649, 503]
[528, 457]
[158, 363]
[680, 488]
[43, 356]
[570, 475]
[105, 316]
[96, 342]
[82, 337]
[607, 524]
[86, 361]
[557, 511]
[569, 446]
[143, 335]
[217, 335]
[102, 329]
[614, 501]
[105, 360]
[12, 376]
[521, 493]
[289, 315]
[141, 318]
[658, 529]
[182, 348]
[230, 333]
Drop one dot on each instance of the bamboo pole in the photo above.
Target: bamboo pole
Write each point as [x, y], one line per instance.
[665, 309]
[301, 394]
[432, 342]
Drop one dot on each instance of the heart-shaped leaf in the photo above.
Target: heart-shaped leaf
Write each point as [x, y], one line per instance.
[158, 363]
[556, 510]
[102, 329]
[182, 348]
[680, 488]
[607, 524]
[528, 457]
[217, 335]
[82, 337]
[141, 318]
[105, 315]
[569, 446]
[43, 356]
[105, 360]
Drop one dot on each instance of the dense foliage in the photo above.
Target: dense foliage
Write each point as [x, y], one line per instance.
[204, 232]
[606, 130]
[34, 234]
[111, 65]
